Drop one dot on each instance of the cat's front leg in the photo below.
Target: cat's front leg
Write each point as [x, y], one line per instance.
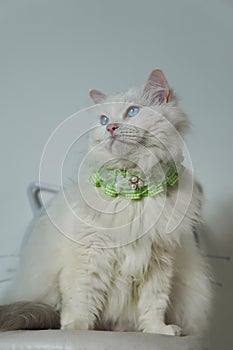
[71, 321]
[154, 299]
[83, 287]
[75, 294]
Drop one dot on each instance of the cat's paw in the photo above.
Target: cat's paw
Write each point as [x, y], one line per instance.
[170, 329]
[75, 325]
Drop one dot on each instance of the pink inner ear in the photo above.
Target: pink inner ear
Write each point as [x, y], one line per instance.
[157, 80]
[97, 96]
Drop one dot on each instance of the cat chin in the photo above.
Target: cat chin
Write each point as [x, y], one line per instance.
[118, 147]
[121, 156]
[121, 163]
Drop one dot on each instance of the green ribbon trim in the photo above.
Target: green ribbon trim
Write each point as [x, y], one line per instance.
[110, 188]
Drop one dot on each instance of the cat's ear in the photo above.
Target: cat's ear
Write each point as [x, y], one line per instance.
[157, 87]
[97, 96]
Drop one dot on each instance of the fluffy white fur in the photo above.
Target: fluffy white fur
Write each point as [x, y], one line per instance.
[158, 282]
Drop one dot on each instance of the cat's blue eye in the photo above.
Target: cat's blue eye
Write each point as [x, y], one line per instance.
[104, 120]
[132, 111]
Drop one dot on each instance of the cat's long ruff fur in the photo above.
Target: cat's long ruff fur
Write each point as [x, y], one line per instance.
[159, 283]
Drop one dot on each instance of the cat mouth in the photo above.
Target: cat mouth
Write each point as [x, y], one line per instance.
[121, 139]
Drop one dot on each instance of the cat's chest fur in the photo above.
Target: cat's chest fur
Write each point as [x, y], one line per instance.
[131, 268]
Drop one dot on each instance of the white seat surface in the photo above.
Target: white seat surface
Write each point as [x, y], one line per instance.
[94, 340]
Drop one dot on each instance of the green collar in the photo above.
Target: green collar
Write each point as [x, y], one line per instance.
[116, 182]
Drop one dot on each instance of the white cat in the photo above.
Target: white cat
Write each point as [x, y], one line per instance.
[117, 267]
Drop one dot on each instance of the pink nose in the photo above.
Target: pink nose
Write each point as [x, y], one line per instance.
[112, 127]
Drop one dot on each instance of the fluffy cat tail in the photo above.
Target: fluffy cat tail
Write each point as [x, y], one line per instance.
[28, 315]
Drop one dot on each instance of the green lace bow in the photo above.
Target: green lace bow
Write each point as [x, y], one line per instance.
[115, 182]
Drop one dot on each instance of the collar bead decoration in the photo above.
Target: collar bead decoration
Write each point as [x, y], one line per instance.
[136, 182]
[115, 182]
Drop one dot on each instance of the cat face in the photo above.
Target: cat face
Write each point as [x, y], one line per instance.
[140, 125]
[125, 128]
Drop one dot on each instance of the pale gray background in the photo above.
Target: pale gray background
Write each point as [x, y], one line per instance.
[53, 51]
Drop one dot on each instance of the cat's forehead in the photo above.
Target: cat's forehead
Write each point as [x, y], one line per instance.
[131, 96]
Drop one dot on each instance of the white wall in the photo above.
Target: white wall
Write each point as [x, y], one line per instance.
[53, 51]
